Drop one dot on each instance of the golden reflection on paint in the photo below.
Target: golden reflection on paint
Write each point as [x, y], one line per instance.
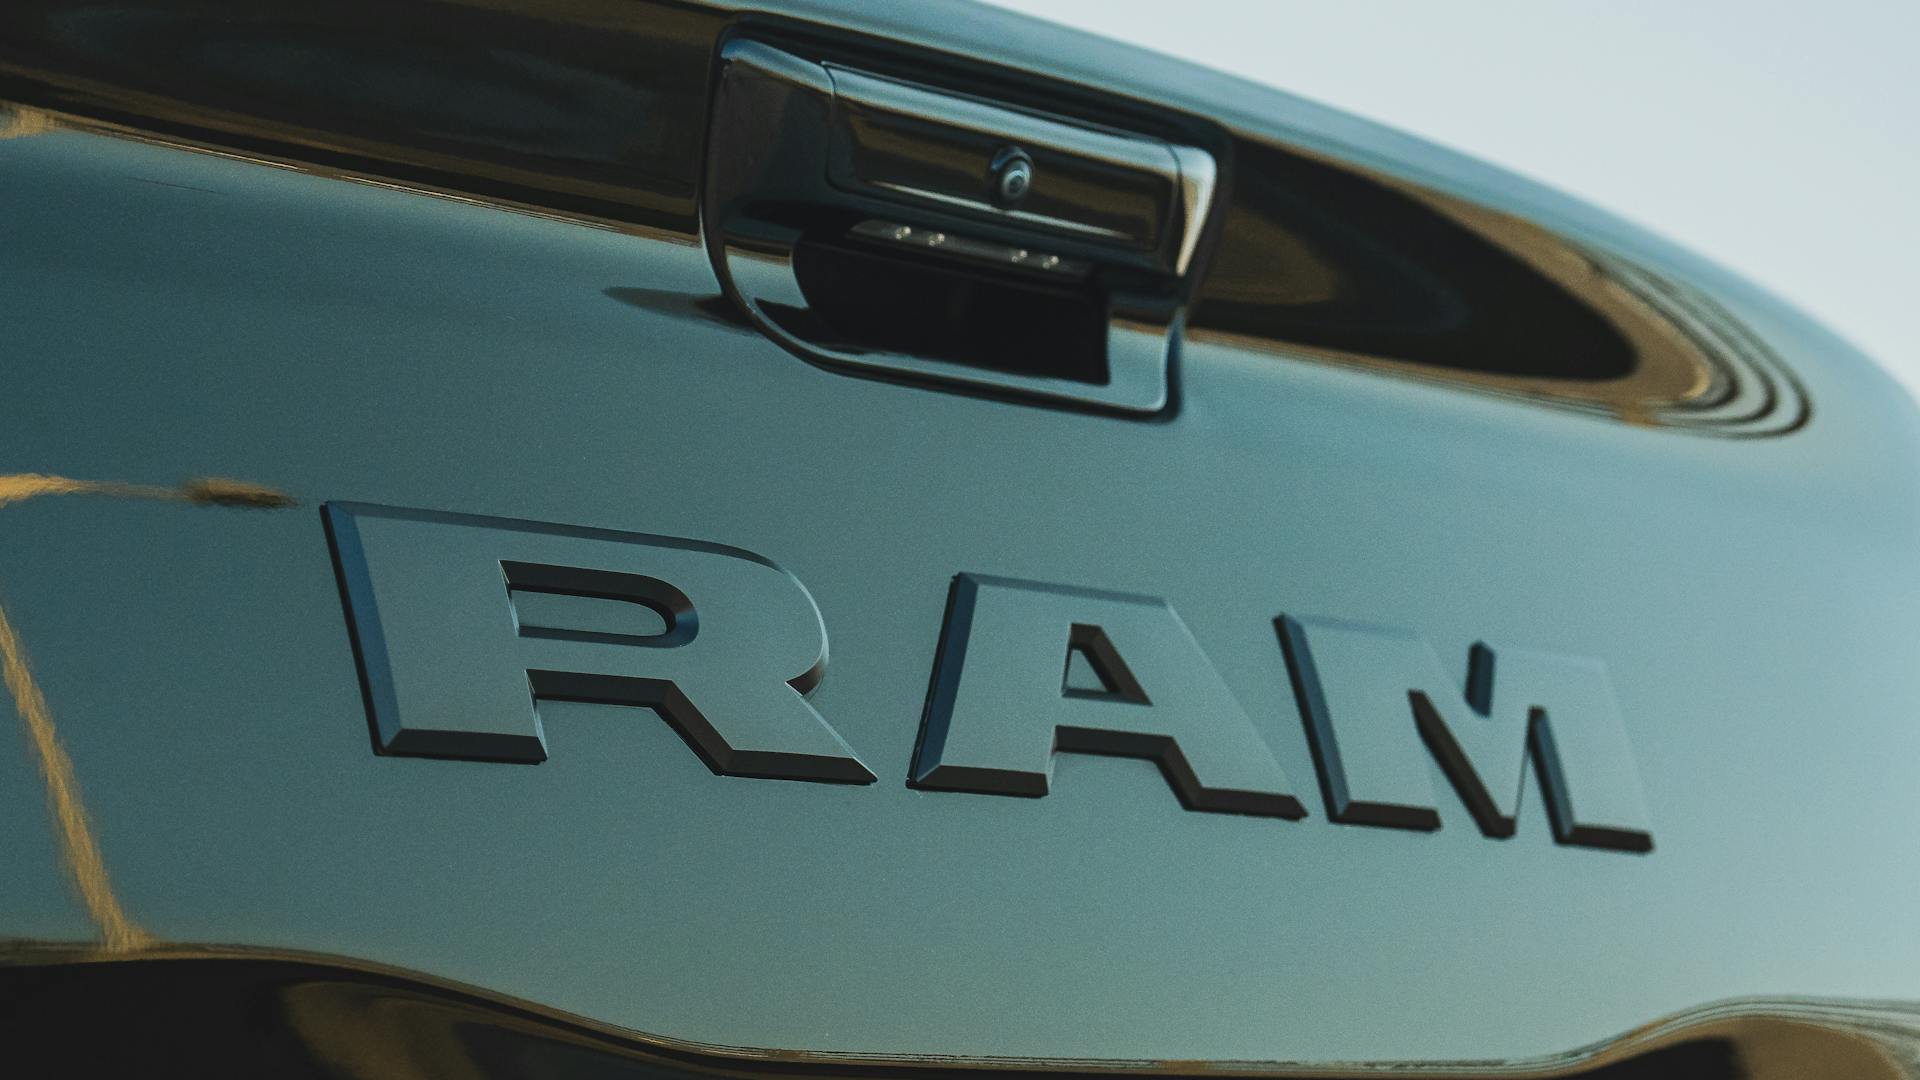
[206, 491]
[79, 849]
[18, 122]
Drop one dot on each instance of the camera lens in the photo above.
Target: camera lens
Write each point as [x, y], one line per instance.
[1012, 176]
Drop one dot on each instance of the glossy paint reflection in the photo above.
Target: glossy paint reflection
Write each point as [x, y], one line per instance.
[599, 109]
[1330, 262]
[595, 108]
[222, 1011]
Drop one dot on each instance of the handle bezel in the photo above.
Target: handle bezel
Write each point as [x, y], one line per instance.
[783, 161]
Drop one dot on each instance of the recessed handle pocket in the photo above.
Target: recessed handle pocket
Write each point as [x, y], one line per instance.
[871, 224]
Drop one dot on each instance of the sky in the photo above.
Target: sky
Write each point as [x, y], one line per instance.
[1781, 140]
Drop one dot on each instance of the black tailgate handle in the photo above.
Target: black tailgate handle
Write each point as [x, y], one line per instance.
[875, 225]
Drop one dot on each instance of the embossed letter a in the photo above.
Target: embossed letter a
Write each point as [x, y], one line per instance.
[1001, 707]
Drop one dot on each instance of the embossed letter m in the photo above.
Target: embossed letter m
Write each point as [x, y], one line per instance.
[1365, 691]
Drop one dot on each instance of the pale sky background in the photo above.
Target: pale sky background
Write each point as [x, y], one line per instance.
[1781, 140]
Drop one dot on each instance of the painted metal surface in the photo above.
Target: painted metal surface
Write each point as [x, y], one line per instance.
[172, 314]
